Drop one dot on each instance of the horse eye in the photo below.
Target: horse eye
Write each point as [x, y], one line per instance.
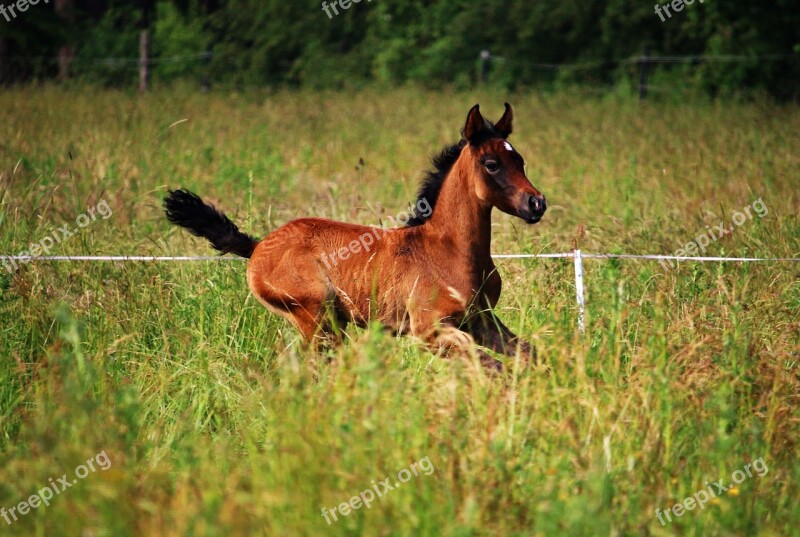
[491, 166]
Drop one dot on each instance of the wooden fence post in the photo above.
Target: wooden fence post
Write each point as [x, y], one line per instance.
[207, 73]
[66, 52]
[144, 49]
[484, 72]
[643, 61]
[3, 62]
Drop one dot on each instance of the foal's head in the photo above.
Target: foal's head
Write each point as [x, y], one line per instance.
[498, 171]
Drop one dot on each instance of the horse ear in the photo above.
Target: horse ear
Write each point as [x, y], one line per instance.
[475, 123]
[505, 125]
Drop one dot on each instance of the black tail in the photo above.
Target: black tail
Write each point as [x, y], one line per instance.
[204, 220]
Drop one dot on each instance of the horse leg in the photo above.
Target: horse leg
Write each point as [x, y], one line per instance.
[452, 341]
[306, 312]
[440, 333]
[489, 331]
[310, 305]
[331, 324]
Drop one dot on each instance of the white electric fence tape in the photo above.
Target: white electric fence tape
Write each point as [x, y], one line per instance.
[577, 256]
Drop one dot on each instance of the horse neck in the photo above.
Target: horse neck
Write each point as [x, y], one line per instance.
[461, 218]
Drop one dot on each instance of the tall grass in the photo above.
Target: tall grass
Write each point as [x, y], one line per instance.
[217, 422]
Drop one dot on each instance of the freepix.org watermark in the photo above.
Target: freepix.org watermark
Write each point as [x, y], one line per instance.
[44, 495]
[702, 241]
[676, 5]
[381, 488]
[58, 236]
[717, 488]
[366, 240]
[344, 4]
[18, 6]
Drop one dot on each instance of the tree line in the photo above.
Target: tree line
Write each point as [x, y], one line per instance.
[428, 42]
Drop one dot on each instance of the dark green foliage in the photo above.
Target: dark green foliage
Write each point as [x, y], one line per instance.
[430, 42]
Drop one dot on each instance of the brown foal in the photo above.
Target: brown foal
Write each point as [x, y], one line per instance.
[433, 278]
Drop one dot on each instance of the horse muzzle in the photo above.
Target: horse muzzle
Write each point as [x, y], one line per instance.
[534, 209]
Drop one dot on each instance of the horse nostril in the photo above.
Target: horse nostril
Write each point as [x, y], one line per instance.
[537, 204]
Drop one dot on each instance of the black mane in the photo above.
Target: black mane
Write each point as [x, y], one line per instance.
[434, 179]
[442, 164]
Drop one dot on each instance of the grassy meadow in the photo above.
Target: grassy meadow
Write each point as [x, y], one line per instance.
[217, 423]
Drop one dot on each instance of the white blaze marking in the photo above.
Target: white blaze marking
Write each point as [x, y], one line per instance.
[508, 146]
